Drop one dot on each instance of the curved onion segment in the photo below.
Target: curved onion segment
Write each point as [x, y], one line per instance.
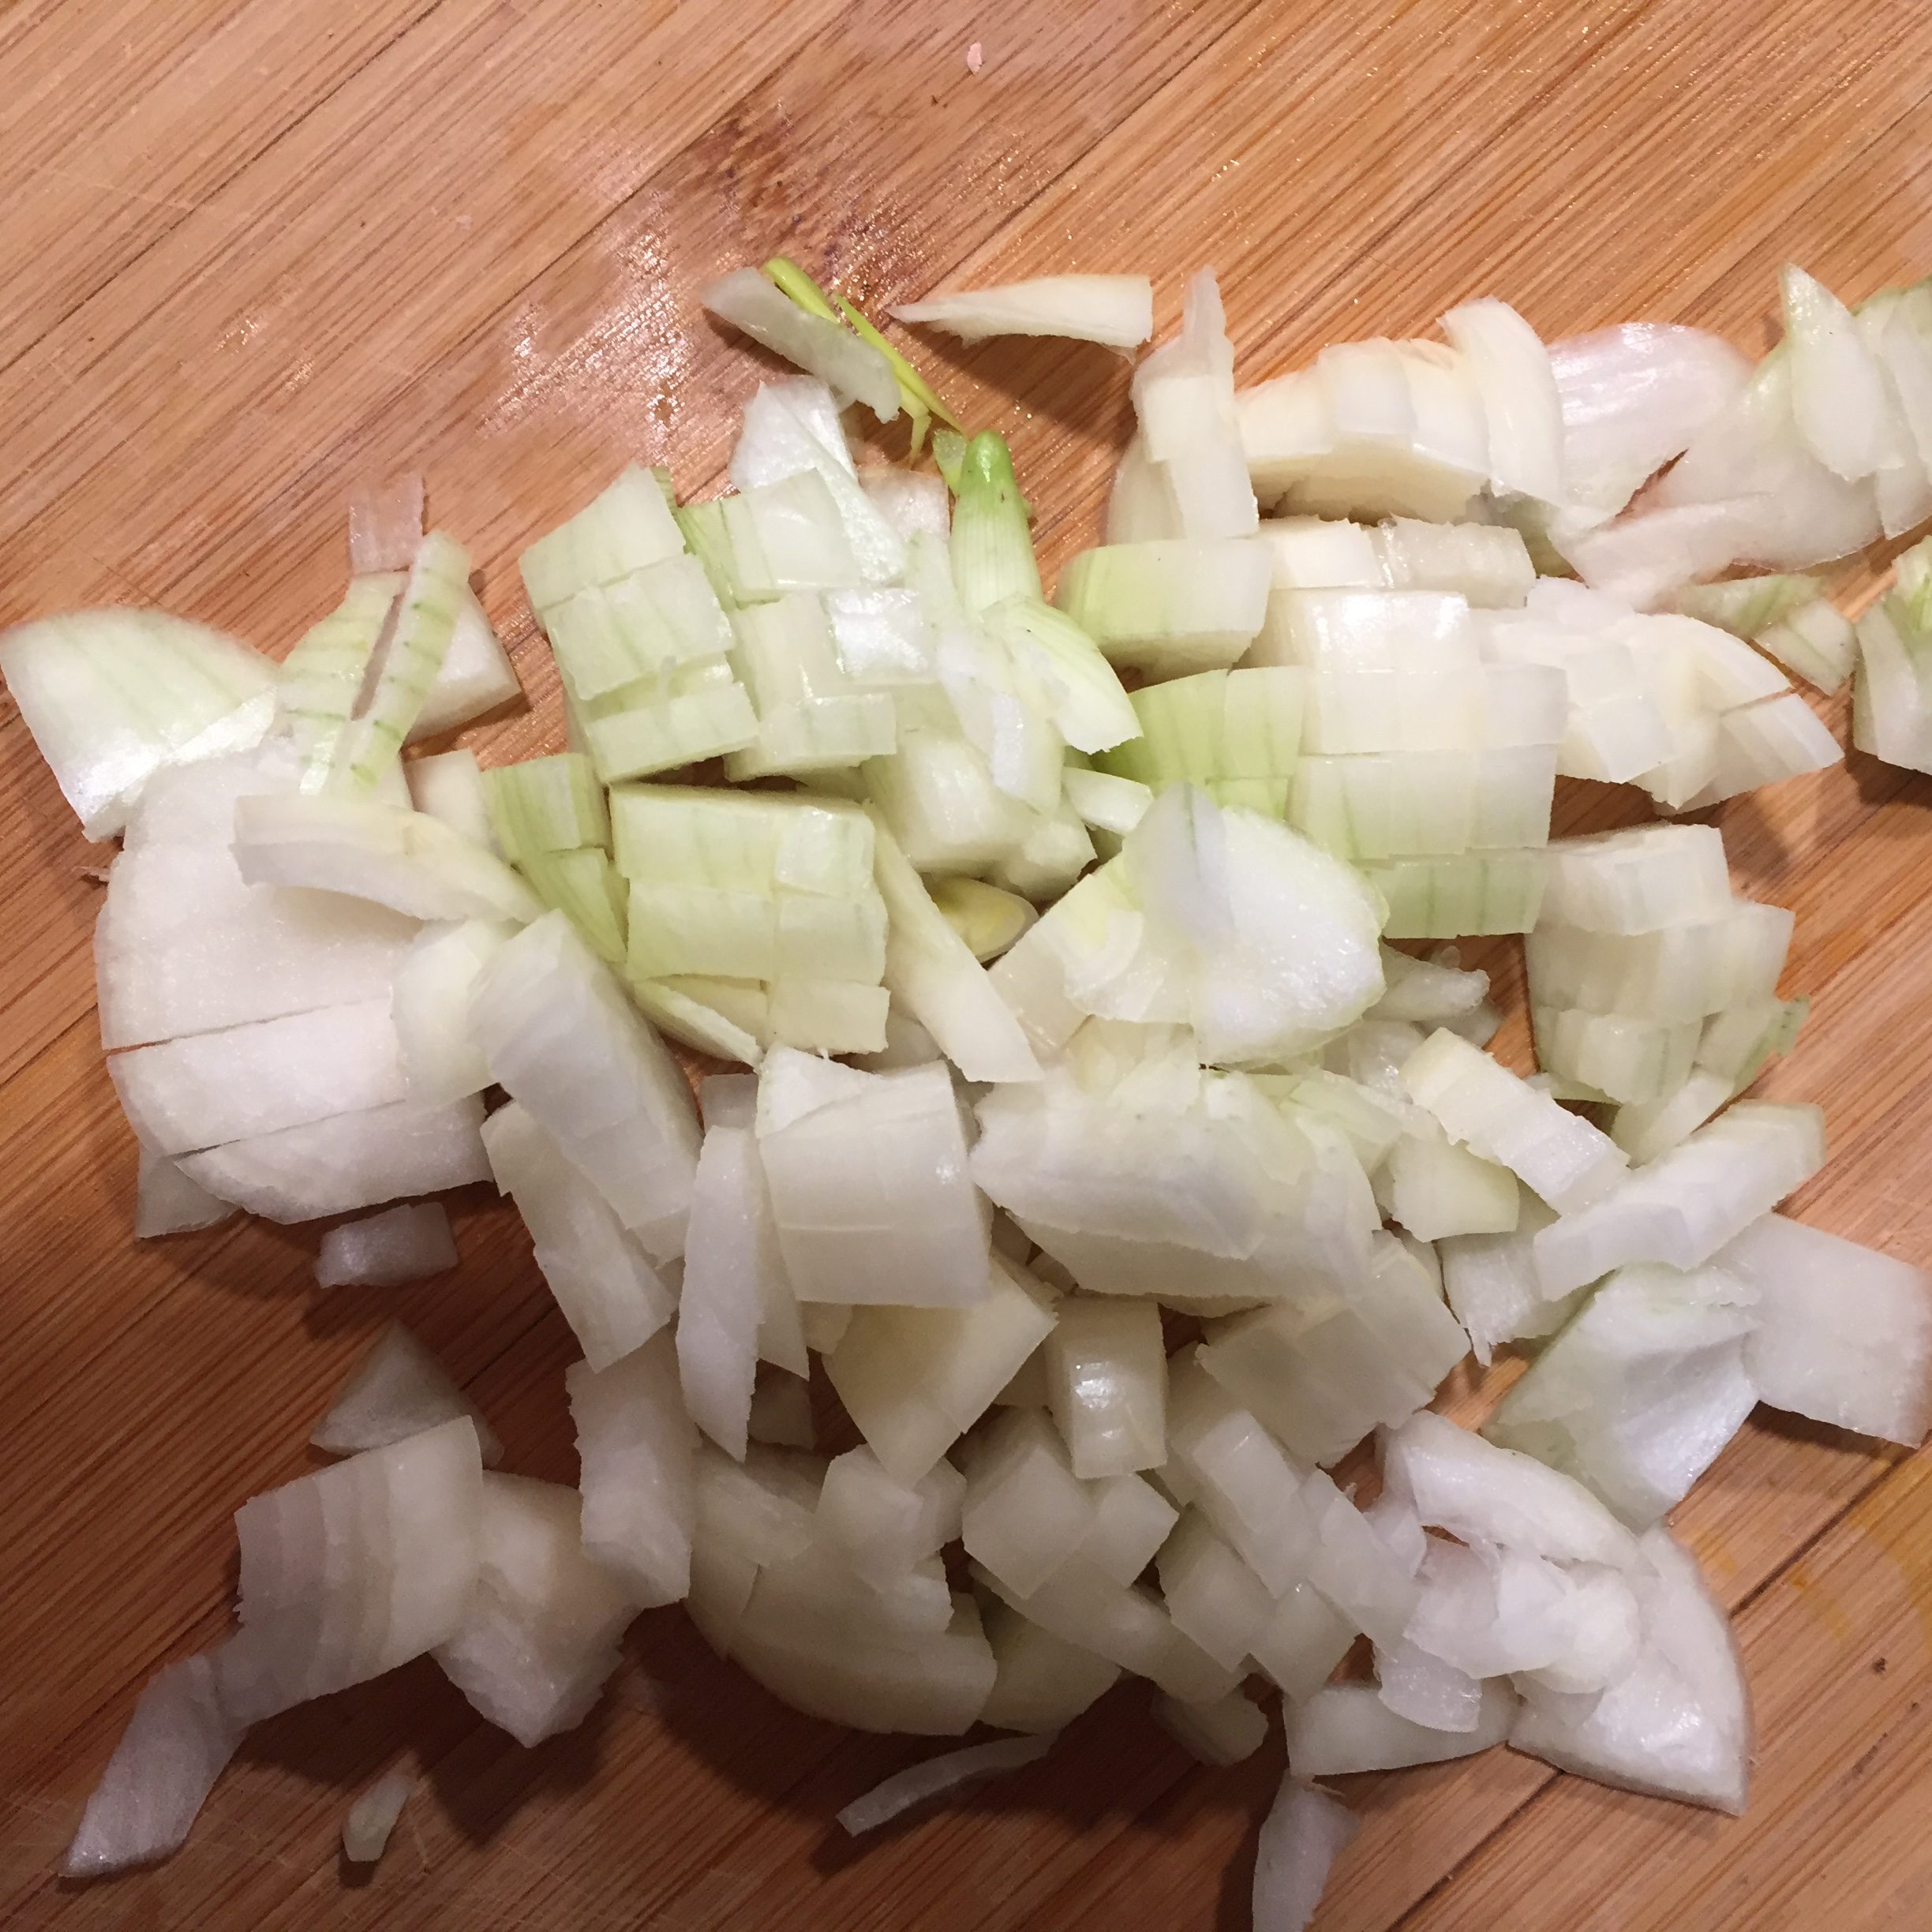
[399, 1390]
[1117, 310]
[1304, 1833]
[916, 1784]
[351, 1571]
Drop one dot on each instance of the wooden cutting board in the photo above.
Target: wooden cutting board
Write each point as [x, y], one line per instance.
[258, 251]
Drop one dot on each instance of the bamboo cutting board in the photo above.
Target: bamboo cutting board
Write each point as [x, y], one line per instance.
[258, 250]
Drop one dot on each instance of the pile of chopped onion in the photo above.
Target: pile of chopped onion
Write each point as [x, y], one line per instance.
[1097, 1178]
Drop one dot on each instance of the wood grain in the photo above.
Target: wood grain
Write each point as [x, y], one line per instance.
[264, 250]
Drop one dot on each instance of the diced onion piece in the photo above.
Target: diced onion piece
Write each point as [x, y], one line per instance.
[1493, 1286]
[1639, 881]
[988, 919]
[915, 1380]
[733, 1272]
[475, 677]
[351, 1571]
[1842, 1334]
[546, 805]
[112, 697]
[1236, 733]
[1816, 642]
[167, 1202]
[628, 527]
[398, 1389]
[1183, 399]
[321, 677]
[791, 458]
[385, 525]
[405, 664]
[1117, 310]
[612, 1298]
[1347, 1727]
[1479, 1493]
[559, 1034]
[638, 1449]
[350, 1161]
[1840, 399]
[401, 1244]
[1170, 607]
[1638, 1393]
[1480, 1104]
[1044, 1682]
[1437, 1191]
[1304, 1833]
[184, 1094]
[1024, 1512]
[449, 785]
[1677, 1722]
[400, 858]
[1222, 1731]
[1106, 1376]
[1216, 1600]
[1688, 1203]
[430, 1007]
[919, 1782]
[869, 1185]
[1427, 1691]
[826, 349]
[541, 1632]
[885, 1526]
[372, 1817]
[1513, 375]
[177, 1744]
[1633, 396]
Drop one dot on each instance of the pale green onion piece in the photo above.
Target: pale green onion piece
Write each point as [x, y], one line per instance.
[1217, 729]
[702, 527]
[640, 626]
[1816, 642]
[1115, 310]
[749, 301]
[404, 859]
[1423, 804]
[1091, 710]
[1891, 718]
[949, 454]
[988, 919]
[1625, 1058]
[812, 717]
[939, 800]
[992, 547]
[549, 804]
[743, 841]
[1411, 631]
[675, 1011]
[1680, 972]
[695, 711]
[406, 665]
[1466, 897]
[1745, 605]
[627, 528]
[113, 696]
[322, 677]
[1169, 608]
[789, 536]
[585, 885]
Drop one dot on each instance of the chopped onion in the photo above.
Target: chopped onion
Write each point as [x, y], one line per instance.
[885, 1527]
[398, 1390]
[400, 1245]
[177, 1744]
[1044, 1681]
[1106, 1376]
[1347, 1727]
[372, 1817]
[1223, 1731]
[112, 697]
[1515, 378]
[167, 1202]
[541, 1632]
[349, 1572]
[826, 349]
[1116, 310]
[449, 786]
[613, 1298]
[349, 1161]
[1676, 1723]
[1841, 1334]
[1304, 1833]
[638, 1450]
[919, 1782]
